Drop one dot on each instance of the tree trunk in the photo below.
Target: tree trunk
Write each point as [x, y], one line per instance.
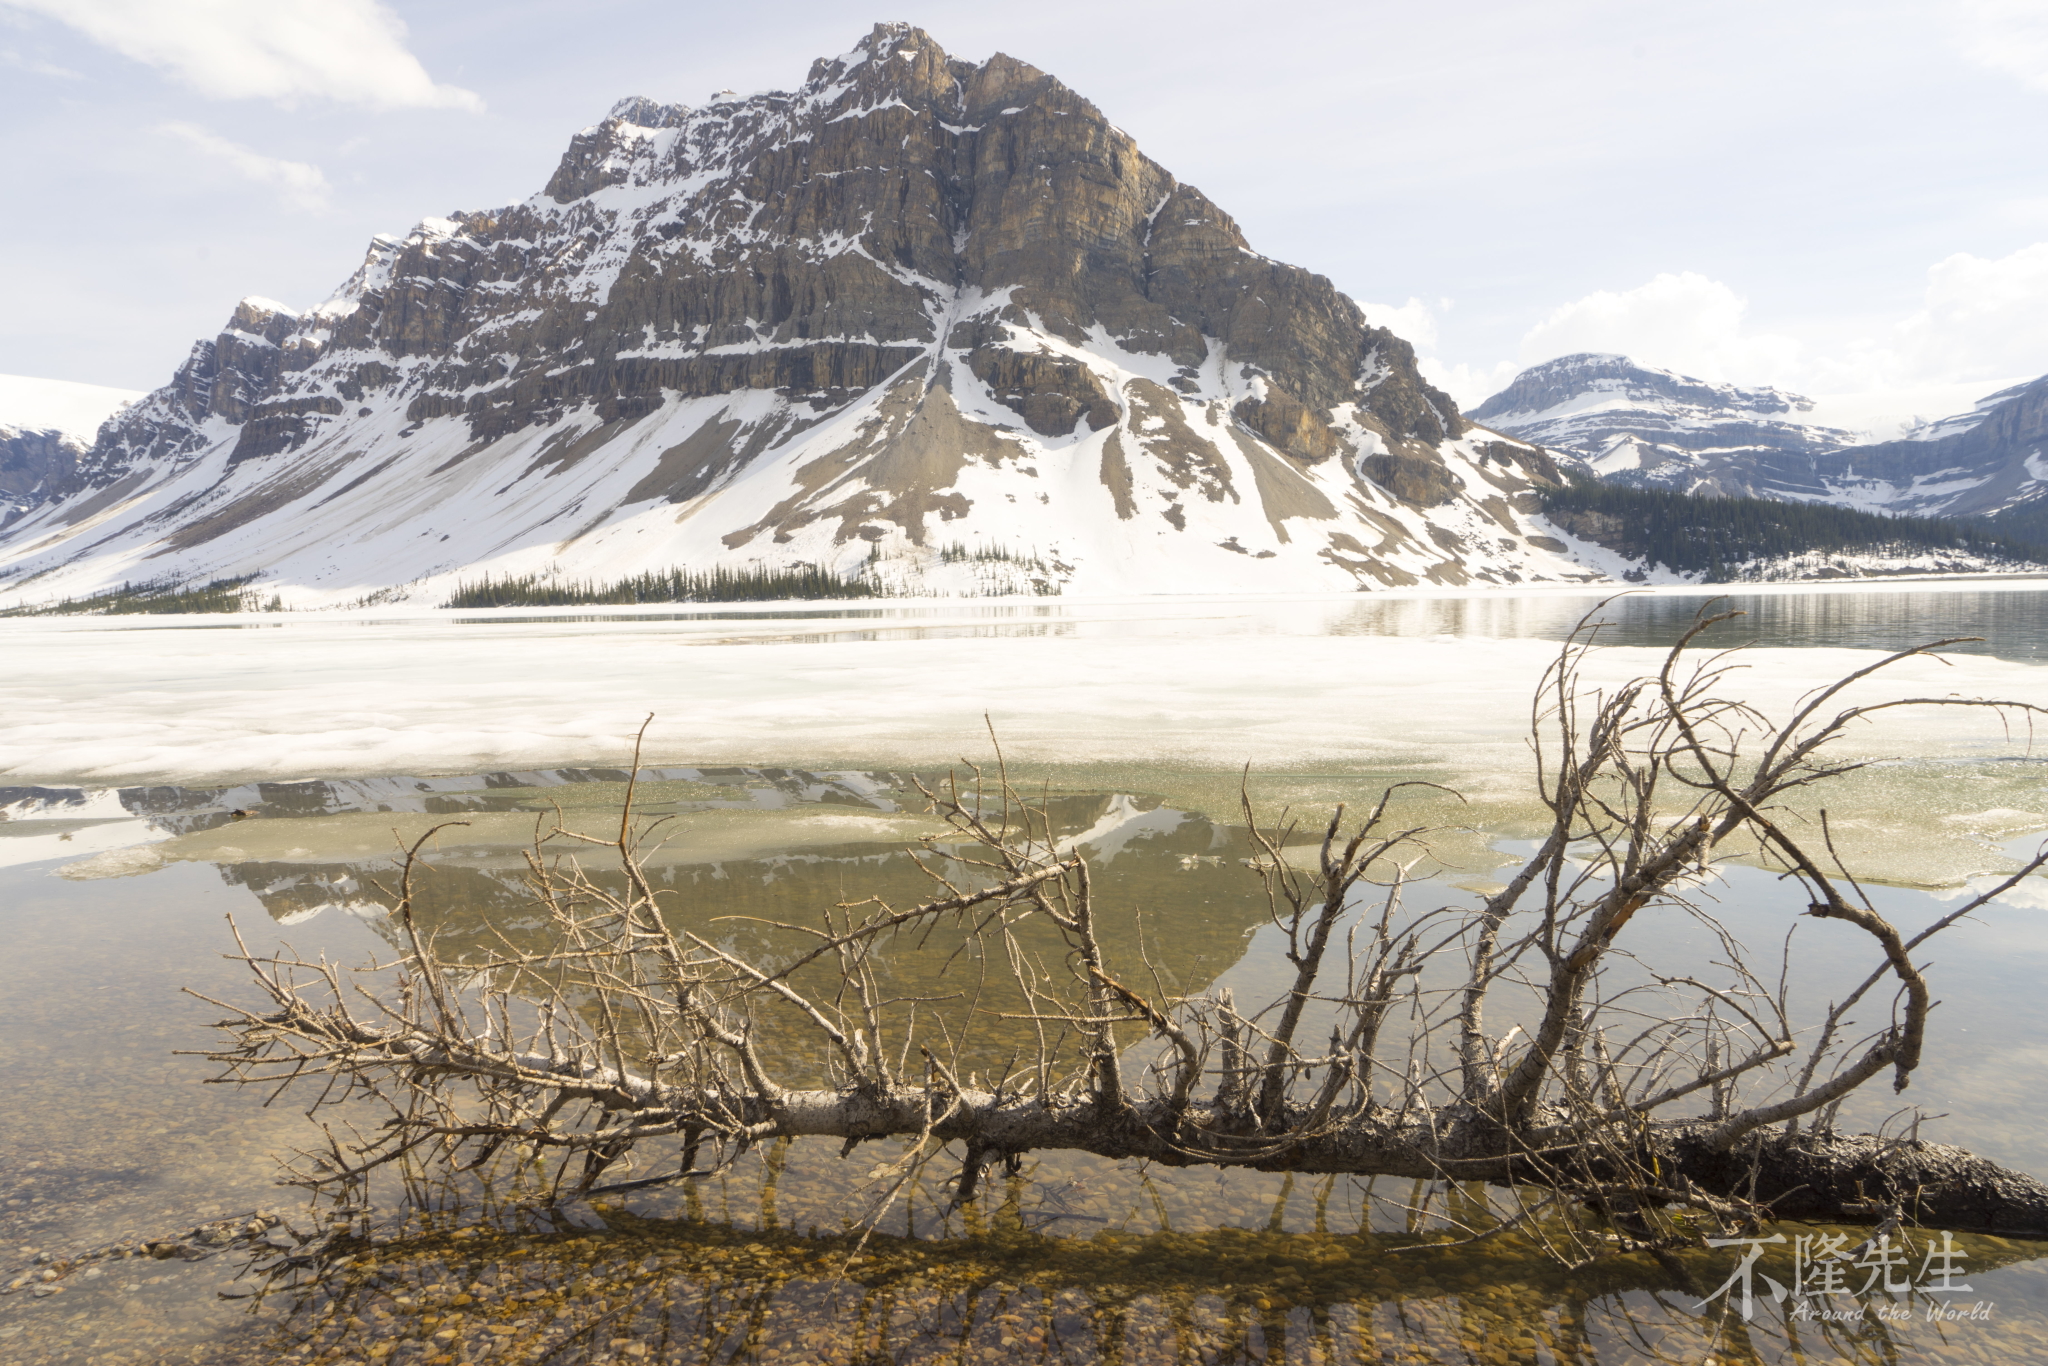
[1859, 1178]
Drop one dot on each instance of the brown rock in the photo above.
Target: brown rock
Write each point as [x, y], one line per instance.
[938, 241]
[1287, 424]
[1050, 394]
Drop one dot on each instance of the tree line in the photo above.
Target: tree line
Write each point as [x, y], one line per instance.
[660, 585]
[1721, 539]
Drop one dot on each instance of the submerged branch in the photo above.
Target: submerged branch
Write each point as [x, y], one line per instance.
[1619, 1088]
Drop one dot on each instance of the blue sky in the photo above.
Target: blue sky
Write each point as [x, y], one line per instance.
[1843, 199]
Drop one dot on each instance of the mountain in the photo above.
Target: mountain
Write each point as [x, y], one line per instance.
[1648, 428]
[1974, 464]
[935, 322]
[1655, 428]
[46, 425]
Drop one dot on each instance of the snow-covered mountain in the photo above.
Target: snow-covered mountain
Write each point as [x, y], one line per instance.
[1632, 424]
[45, 426]
[1993, 457]
[1638, 425]
[935, 319]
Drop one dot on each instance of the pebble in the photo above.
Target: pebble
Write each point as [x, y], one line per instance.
[770, 1296]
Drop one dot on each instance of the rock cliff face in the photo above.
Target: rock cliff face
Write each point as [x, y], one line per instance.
[46, 426]
[918, 304]
[34, 467]
[1983, 461]
[1634, 425]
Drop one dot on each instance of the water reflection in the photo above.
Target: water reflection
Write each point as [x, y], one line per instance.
[2013, 623]
[1171, 886]
[2011, 613]
[1074, 1259]
[2012, 618]
[1292, 1284]
[182, 810]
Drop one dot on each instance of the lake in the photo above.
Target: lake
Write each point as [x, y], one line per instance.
[786, 741]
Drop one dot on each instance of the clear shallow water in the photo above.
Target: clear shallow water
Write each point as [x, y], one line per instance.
[1180, 1266]
[1076, 1260]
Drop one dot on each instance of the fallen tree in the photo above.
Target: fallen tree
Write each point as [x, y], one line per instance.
[1629, 1104]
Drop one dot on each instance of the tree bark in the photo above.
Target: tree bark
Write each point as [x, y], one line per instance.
[1859, 1178]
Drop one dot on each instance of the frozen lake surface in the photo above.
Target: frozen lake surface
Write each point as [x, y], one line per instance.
[1338, 681]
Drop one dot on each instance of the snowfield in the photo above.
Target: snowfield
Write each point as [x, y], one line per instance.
[1207, 682]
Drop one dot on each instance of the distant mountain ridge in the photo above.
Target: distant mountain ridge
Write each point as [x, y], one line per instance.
[1648, 428]
[1658, 428]
[918, 306]
[1989, 460]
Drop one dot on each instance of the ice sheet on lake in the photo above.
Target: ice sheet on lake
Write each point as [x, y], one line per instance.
[1212, 684]
[33, 843]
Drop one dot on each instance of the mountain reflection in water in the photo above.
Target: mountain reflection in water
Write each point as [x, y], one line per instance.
[2009, 613]
[1072, 1259]
[1171, 887]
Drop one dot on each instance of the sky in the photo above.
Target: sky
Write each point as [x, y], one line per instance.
[1846, 200]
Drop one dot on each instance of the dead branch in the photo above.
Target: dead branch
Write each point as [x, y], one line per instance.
[629, 1030]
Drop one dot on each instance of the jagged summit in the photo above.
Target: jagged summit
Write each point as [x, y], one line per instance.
[1642, 425]
[642, 112]
[917, 303]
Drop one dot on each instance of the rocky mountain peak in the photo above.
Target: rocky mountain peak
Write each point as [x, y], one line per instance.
[1576, 377]
[913, 298]
[1641, 425]
[642, 112]
[1992, 457]
[46, 426]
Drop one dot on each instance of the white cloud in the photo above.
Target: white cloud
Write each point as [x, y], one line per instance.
[1684, 322]
[35, 66]
[1981, 317]
[1413, 322]
[1982, 325]
[2006, 35]
[299, 184]
[352, 51]
[1468, 385]
[1417, 323]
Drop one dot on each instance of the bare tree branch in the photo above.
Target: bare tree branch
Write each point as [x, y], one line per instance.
[1621, 1086]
